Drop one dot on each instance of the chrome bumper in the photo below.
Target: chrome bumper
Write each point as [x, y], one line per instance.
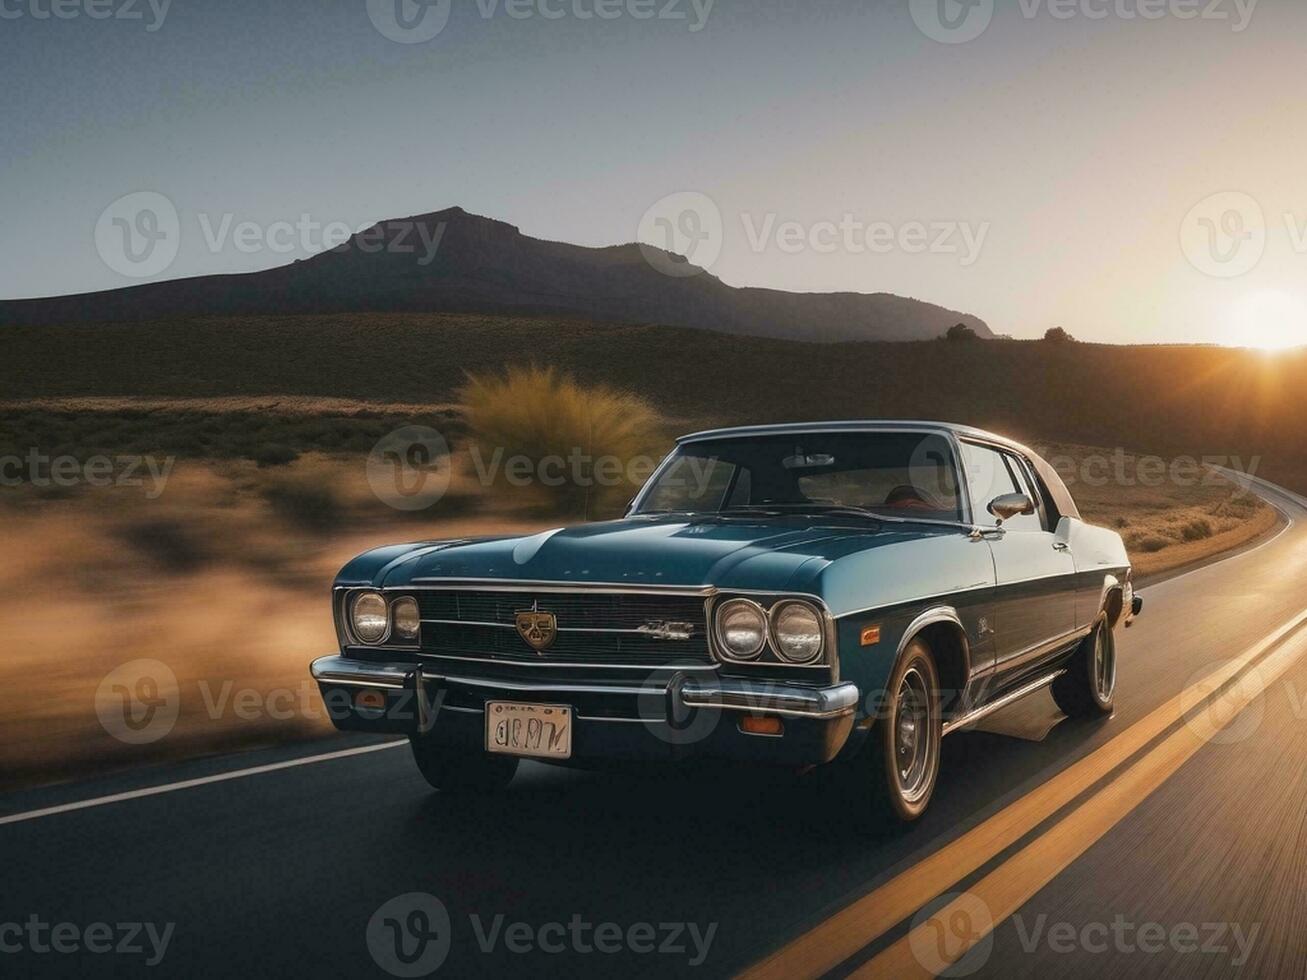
[756, 697]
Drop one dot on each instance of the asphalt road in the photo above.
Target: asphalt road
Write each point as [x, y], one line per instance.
[1183, 860]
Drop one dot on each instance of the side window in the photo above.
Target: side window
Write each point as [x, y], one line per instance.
[987, 477]
[1021, 474]
[990, 474]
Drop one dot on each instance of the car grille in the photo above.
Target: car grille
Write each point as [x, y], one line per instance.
[593, 627]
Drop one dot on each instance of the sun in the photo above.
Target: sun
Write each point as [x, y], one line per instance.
[1269, 319]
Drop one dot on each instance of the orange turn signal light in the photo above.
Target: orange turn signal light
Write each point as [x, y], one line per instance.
[870, 635]
[762, 726]
[370, 701]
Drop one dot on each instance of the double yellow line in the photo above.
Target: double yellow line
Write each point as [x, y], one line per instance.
[1003, 891]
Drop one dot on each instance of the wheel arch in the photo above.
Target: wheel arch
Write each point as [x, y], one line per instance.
[942, 630]
[1111, 600]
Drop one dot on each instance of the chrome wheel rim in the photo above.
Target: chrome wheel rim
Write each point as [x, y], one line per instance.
[914, 743]
[1104, 665]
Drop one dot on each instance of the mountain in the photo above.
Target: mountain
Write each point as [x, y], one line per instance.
[480, 265]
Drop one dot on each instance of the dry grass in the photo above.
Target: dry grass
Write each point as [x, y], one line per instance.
[584, 437]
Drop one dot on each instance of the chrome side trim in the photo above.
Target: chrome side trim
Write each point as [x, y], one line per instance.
[360, 673]
[986, 710]
[773, 699]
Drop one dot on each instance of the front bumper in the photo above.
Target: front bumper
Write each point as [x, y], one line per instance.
[667, 716]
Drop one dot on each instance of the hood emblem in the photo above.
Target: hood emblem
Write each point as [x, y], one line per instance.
[539, 629]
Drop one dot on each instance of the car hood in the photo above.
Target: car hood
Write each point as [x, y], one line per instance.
[767, 555]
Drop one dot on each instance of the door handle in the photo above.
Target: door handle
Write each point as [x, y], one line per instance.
[1061, 546]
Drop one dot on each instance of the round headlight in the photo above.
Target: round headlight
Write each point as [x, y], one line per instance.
[797, 629]
[404, 613]
[368, 617]
[741, 628]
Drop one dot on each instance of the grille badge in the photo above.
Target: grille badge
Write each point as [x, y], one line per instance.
[667, 630]
[539, 629]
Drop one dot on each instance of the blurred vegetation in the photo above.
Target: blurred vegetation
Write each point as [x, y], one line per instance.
[588, 441]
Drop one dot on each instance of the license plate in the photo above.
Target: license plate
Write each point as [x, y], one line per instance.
[541, 731]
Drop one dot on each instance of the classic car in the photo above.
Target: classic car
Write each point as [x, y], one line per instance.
[796, 595]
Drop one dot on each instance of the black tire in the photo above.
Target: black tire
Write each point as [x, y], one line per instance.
[451, 769]
[899, 766]
[1088, 688]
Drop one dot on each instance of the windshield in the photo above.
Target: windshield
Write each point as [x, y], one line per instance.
[897, 474]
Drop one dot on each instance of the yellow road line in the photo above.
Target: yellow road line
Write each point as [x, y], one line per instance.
[837, 938]
[944, 938]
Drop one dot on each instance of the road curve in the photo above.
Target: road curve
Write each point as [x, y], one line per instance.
[287, 862]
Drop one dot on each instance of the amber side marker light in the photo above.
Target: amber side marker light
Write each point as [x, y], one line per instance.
[370, 701]
[870, 635]
[762, 726]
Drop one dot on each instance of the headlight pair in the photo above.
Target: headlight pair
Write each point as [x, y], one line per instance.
[795, 628]
[373, 619]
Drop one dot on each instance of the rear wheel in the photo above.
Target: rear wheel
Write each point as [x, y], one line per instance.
[1088, 688]
[901, 763]
[454, 770]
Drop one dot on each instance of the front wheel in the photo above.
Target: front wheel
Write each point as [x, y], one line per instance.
[1088, 688]
[454, 770]
[901, 761]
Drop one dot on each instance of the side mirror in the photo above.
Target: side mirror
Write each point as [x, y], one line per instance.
[1011, 505]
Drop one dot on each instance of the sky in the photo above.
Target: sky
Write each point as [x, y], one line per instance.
[1130, 170]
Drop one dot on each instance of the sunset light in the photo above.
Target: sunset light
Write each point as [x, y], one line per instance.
[1269, 319]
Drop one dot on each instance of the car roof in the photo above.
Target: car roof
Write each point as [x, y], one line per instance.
[855, 425]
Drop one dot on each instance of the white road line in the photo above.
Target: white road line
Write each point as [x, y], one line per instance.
[221, 777]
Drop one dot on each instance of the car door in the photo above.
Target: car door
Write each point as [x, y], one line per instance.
[1034, 571]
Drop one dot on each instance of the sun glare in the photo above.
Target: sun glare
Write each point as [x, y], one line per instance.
[1270, 319]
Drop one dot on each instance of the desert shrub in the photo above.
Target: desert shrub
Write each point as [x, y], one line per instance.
[1197, 530]
[587, 447]
[1148, 542]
